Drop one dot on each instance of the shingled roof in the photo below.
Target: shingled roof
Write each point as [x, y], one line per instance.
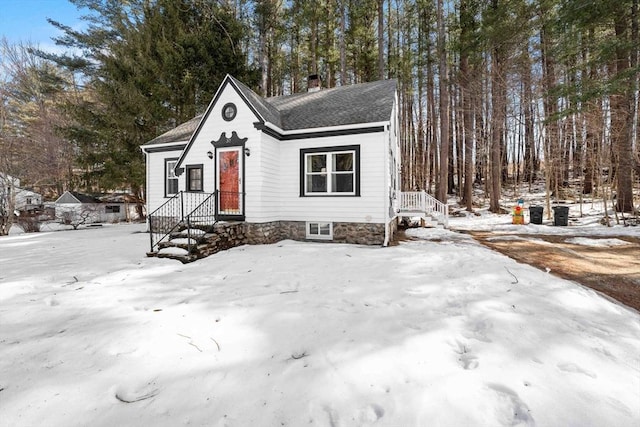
[75, 197]
[339, 106]
[345, 105]
[180, 133]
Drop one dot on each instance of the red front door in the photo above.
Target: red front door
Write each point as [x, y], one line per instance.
[229, 182]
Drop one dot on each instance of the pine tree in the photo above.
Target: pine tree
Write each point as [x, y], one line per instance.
[148, 66]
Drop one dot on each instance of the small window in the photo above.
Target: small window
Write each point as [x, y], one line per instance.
[29, 201]
[229, 111]
[171, 181]
[332, 171]
[112, 209]
[194, 178]
[320, 230]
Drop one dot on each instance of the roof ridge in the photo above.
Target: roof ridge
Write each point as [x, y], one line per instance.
[359, 103]
[253, 98]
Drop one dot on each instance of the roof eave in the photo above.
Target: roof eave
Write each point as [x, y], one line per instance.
[326, 128]
[146, 148]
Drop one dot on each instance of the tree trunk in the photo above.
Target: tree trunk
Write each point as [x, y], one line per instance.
[343, 48]
[497, 121]
[622, 118]
[444, 106]
[381, 39]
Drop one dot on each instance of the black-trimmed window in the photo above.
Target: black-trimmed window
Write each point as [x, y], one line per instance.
[171, 180]
[194, 178]
[229, 111]
[112, 209]
[330, 171]
[320, 230]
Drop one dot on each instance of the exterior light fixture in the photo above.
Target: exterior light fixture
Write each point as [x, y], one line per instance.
[210, 154]
[247, 152]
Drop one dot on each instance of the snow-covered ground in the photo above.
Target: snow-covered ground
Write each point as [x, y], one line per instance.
[426, 333]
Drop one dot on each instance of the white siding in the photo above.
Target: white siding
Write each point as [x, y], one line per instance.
[393, 164]
[211, 130]
[263, 181]
[156, 178]
[369, 207]
[272, 171]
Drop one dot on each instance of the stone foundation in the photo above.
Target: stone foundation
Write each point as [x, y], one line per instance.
[236, 234]
[263, 233]
[343, 232]
[393, 229]
[358, 233]
[223, 236]
[227, 235]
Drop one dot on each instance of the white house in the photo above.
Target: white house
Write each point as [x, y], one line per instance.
[319, 165]
[79, 208]
[24, 200]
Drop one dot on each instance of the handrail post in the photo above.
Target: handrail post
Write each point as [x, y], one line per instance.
[181, 205]
[150, 219]
[216, 204]
[446, 215]
[189, 233]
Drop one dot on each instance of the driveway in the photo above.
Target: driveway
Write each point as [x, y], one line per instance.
[610, 264]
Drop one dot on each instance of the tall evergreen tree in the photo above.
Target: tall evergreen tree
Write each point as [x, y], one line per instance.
[147, 67]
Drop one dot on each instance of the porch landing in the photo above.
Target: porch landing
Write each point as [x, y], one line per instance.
[420, 204]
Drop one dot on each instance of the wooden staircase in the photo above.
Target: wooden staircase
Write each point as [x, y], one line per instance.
[420, 204]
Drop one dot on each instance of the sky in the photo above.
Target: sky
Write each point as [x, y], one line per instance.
[26, 20]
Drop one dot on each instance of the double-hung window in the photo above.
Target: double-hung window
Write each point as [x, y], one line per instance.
[330, 171]
[194, 178]
[171, 180]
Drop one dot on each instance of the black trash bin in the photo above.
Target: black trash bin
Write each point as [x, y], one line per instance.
[535, 214]
[561, 215]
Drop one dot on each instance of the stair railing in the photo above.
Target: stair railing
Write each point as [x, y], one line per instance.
[203, 215]
[420, 201]
[170, 215]
[437, 208]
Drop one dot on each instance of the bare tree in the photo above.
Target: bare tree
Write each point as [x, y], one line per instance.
[32, 94]
[76, 216]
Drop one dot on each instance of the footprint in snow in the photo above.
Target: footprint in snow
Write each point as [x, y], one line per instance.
[132, 394]
[51, 302]
[513, 409]
[573, 368]
[479, 330]
[466, 358]
[370, 414]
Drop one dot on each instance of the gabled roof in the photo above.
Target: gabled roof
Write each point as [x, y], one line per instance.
[345, 105]
[75, 197]
[180, 133]
[268, 112]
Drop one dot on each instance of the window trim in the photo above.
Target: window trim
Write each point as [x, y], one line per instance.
[188, 170]
[234, 109]
[166, 177]
[328, 151]
[318, 236]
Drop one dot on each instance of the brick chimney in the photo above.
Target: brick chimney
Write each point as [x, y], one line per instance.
[314, 83]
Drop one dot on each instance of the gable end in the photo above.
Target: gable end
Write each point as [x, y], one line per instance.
[228, 80]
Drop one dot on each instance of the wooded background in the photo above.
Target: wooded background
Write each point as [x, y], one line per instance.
[492, 94]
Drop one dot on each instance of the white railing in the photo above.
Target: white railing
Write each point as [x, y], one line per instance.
[419, 202]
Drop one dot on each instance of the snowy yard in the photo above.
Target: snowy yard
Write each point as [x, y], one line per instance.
[422, 334]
